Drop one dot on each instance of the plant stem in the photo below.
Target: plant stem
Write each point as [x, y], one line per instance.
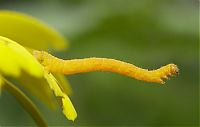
[28, 105]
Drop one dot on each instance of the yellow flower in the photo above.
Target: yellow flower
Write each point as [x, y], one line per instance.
[16, 58]
[32, 33]
[20, 65]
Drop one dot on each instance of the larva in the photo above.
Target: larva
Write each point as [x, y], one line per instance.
[68, 67]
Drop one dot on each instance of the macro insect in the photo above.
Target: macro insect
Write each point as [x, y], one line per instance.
[68, 67]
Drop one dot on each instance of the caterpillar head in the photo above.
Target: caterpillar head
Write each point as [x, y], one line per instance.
[39, 55]
[42, 57]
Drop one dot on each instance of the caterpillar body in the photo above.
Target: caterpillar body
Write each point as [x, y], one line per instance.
[68, 67]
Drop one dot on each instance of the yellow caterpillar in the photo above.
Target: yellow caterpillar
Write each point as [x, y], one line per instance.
[56, 65]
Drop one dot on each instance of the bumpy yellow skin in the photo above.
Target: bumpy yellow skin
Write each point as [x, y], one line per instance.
[56, 65]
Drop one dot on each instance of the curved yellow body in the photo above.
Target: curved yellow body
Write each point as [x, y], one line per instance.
[53, 64]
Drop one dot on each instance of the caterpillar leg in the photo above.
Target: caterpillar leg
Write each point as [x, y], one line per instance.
[165, 72]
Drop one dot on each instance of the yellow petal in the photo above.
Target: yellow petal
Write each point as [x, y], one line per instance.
[67, 106]
[8, 66]
[63, 83]
[17, 62]
[15, 57]
[68, 109]
[29, 31]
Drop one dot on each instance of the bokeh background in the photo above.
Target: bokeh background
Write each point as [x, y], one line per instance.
[148, 33]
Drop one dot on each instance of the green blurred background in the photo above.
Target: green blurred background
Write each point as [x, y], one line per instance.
[148, 33]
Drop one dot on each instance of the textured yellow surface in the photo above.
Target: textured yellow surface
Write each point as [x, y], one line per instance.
[53, 64]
